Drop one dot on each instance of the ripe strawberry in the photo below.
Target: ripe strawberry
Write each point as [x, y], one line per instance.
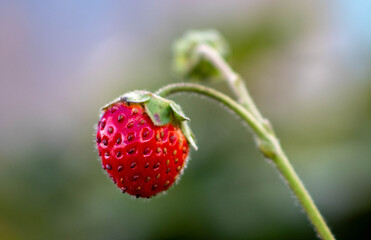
[141, 143]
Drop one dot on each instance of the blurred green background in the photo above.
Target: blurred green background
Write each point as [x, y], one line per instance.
[306, 63]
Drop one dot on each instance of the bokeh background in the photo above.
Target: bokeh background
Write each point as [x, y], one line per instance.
[306, 63]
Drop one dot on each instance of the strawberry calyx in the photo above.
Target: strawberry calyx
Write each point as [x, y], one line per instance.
[160, 110]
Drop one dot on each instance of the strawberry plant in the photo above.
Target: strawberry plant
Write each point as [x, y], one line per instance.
[143, 138]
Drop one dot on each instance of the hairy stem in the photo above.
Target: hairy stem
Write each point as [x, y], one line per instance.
[235, 82]
[268, 144]
[216, 95]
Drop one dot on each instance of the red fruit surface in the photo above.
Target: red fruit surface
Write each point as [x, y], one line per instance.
[141, 159]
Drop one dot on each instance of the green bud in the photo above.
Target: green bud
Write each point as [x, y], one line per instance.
[189, 63]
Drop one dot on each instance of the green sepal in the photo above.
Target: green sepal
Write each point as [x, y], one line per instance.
[178, 112]
[160, 110]
[163, 111]
[188, 134]
[136, 96]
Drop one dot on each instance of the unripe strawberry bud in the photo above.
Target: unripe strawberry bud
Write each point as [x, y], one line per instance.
[189, 64]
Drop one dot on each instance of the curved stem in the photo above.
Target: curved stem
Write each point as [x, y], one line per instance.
[268, 144]
[216, 95]
[235, 82]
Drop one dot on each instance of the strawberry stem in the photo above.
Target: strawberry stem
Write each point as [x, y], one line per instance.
[235, 82]
[267, 143]
[216, 95]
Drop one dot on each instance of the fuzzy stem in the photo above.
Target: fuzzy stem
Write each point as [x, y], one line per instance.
[268, 144]
[235, 82]
[216, 95]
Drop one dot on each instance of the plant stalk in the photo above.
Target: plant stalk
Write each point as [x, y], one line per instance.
[268, 144]
[235, 82]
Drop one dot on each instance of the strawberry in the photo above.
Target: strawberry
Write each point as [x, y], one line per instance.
[143, 142]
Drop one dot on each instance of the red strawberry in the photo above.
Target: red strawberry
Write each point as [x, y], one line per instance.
[141, 157]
